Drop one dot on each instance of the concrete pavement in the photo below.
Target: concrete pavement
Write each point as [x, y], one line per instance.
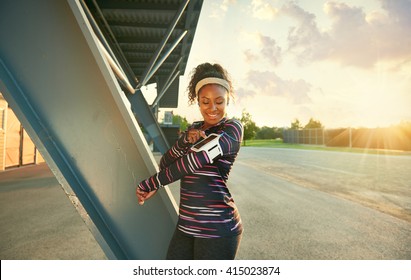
[285, 215]
[291, 209]
[38, 221]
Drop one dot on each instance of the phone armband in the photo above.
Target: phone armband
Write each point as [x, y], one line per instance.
[210, 145]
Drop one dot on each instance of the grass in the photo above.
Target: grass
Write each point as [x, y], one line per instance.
[278, 143]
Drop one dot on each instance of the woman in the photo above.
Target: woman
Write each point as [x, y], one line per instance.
[209, 224]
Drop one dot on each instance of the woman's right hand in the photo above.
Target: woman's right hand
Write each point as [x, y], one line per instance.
[142, 196]
[193, 135]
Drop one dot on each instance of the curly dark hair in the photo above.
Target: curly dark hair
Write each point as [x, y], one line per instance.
[207, 70]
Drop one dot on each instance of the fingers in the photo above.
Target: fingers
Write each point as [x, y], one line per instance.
[140, 200]
[194, 134]
[150, 194]
[143, 196]
[202, 134]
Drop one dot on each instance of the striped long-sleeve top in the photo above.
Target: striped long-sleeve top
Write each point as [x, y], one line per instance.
[207, 209]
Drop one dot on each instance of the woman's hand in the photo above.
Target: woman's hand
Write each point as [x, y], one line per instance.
[193, 135]
[143, 196]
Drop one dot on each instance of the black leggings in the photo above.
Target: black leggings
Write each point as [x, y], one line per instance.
[184, 247]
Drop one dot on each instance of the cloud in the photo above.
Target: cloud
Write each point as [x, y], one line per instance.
[270, 84]
[393, 31]
[305, 39]
[355, 38]
[269, 51]
[262, 10]
[351, 39]
[219, 9]
[250, 56]
[243, 93]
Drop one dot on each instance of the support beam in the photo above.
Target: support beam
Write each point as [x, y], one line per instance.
[145, 115]
[98, 32]
[173, 75]
[163, 43]
[164, 57]
[130, 73]
[116, 69]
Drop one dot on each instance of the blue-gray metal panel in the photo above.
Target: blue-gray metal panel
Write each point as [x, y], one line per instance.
[146, 117]
[64, 93]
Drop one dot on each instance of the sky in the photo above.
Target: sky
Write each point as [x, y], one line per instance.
[344, 63]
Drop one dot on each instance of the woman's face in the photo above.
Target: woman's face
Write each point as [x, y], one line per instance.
[212, 100]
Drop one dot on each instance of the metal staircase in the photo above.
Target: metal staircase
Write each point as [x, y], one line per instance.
[56, 74]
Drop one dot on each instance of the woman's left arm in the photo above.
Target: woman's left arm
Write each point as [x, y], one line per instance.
[231, 137]
[189, 163]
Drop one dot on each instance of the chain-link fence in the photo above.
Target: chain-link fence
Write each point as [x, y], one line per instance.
[393, 138]
[313, 136]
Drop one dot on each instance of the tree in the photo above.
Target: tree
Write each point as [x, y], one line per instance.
[296, 124]
[182, 121]
[313, 124]
[250, 128]
[268, 133]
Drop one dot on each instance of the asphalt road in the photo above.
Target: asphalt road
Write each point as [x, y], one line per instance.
[38, 221]
[297, 204]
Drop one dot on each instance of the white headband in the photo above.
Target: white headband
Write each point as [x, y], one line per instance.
[212, 80]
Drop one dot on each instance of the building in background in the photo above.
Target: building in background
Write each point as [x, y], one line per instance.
[16, 147]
